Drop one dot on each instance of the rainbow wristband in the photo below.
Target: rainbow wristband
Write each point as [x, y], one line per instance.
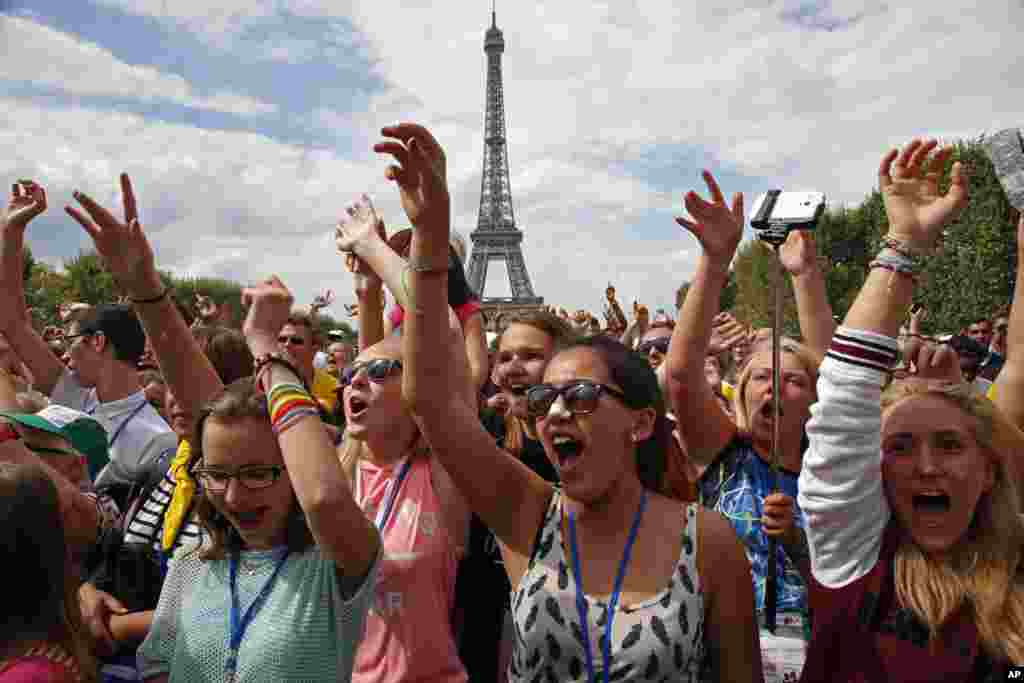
[288, 403]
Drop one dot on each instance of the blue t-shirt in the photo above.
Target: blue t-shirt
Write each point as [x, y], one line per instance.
[736, 484]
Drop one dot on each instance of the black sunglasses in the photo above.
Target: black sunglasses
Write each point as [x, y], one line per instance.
[377, 370]
[661, 343]
[294, 341]
[581, 397]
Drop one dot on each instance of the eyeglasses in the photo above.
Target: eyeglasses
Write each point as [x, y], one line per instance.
[661, 344]
[252, 477]
[294, 341]
[377, 370]
[581, 397]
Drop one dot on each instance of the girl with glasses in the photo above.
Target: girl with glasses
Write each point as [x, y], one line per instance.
[612, 580]
[280, 587]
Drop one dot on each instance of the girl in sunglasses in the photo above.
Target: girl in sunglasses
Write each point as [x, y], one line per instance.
[424, 522]
[612, 580]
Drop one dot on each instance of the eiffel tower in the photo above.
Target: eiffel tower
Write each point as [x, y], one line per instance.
[496, 237]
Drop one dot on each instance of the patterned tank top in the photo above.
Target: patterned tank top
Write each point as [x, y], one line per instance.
[659, 639]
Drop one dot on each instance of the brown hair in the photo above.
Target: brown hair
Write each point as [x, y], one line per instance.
[238, 401]
[985, 570]
[45, 606]
[227, 350]
[562, 335]
[303, 318]
[631, 371]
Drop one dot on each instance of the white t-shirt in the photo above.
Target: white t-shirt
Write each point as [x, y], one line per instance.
[141, 442]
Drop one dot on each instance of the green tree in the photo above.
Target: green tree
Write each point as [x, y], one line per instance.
[755, 271]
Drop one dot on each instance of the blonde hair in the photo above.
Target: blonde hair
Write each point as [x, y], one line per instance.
[984, 570]
[808, 359]
[351, 451]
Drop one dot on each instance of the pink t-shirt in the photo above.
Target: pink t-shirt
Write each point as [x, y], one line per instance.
[397, 314]
[35, 669]
[408, 629]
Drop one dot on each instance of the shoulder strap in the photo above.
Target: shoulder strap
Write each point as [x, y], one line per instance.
[554, 505]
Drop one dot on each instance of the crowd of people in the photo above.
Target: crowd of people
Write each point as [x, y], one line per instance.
[659, 498]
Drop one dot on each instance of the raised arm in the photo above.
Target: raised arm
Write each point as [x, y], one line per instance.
[27, 201]
[703, 425]
[129, 257]
[509, 498]
[360, 232]
[369, 295]
[799, 256]
[841, 492]
[1010, 381]
[342, 531]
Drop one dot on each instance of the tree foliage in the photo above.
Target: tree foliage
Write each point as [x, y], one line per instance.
[83, 278]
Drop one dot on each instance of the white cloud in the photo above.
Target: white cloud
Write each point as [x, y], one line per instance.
[785, 93]
[37, 54]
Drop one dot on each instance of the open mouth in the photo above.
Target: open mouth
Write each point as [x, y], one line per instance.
[931, 503]
[356, 407]
[249, 519]
[568, 450]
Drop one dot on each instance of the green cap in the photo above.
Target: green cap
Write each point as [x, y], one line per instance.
[85, 434]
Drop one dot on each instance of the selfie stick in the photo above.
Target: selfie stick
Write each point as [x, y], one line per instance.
[776, 238]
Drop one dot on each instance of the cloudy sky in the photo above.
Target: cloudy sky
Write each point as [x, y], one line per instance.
[247, 126]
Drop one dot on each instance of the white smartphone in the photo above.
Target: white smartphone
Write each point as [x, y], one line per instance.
[796, 210]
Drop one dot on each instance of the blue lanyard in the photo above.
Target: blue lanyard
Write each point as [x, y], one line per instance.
[240, 623]
[403, 470]
[581, 600]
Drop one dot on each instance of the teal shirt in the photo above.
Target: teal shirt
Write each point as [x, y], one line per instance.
[305, 630]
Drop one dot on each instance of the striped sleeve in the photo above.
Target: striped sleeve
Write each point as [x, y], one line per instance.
[145, 526]
[863, 349]
[840, 488]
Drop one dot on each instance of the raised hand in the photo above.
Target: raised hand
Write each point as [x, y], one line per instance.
[726, 333]
[269, 306]
[122, 244]
[206, 308]
[322, 300]
[910, 188]
[357, 227]
[421, 174]
[799, 254]
[27, 201]
[932, 361]
[716, 226]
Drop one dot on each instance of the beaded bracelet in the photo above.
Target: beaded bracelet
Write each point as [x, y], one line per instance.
[261, 363]
[898, 261]
[893, 269]
[288, 403]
